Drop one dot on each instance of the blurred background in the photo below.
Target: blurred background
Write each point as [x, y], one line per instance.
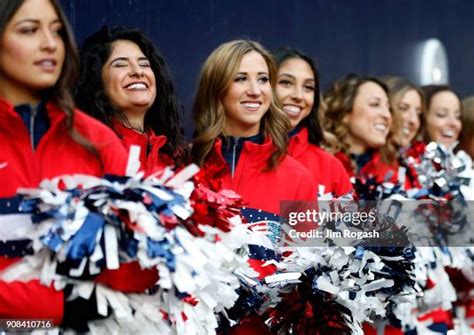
[426, 41]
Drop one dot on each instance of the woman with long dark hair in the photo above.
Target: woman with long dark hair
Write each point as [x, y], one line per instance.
[298, 91]
[43, 136]
[125, 83]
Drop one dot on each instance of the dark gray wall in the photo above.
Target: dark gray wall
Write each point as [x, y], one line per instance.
[373, 37]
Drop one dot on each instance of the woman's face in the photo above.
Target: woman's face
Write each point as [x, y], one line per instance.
[32, 52]
[248, 97]
[295, 89]
[443, 120]
[370, 120]
[129, 81]
[409, 108]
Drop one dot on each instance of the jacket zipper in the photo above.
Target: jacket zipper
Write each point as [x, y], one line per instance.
[234, 152]
[34, 110]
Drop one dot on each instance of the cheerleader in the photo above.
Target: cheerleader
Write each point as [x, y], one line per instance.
[125, 83]
[240, 132]
[443, 115]
[358, 120]
[298, 92]
[43, 136]
[240, 139]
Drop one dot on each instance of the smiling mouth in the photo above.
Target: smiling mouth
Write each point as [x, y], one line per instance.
[380, 127]
[137, 86]
[448, 134]
[292, 109]
[251, 105]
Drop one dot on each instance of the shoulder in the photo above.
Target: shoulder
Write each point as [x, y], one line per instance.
[91, 127]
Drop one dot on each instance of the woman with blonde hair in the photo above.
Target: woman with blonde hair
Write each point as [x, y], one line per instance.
[408, 107]
[241, 141]
[240, 131]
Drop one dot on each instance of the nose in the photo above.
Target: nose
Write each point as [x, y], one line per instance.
[385, 111]
[297, 93]
[413, 117]
[136, 71]
[49, 41]
[254, 88]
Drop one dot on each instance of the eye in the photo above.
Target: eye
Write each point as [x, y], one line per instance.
[57, 29]
[309, 88]
[144, 64]
[285, 82]
[28, 30]
[264, 79]
[120, 64]
[240, 78]
[403, 108]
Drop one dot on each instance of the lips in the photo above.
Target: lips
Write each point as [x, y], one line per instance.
[46, 64]
[381, 127]
[292, 109]
[137, 86]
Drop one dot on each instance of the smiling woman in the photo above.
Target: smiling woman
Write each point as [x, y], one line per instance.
[358, 120]
[125, 83]
[42, 136]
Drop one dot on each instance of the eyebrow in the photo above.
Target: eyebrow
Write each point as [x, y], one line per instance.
[35, 21]
[291, 76]
[125, 59]
[257, 73]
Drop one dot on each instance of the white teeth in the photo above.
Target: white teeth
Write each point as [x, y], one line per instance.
[251, 104]
[136, 86]
[381, 127]
[406, 131]
[291, 109]
[448, 133]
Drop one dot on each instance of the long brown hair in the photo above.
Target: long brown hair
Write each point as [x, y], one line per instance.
[61, 92]
[216, 76]
[339, 101]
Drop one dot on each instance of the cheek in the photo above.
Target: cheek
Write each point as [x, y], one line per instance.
[16, 51]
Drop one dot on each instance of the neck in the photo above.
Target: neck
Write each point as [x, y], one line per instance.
[136, 120]
[19, 96]
[240, 132]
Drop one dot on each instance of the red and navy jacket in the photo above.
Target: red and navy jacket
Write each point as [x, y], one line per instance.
[372, 166]
[151, 159]
[24, 165]
[261, 188]
[327, 171]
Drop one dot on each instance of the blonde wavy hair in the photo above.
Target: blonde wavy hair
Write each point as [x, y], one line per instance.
[398, 87]
[338, 102]
[216, 76]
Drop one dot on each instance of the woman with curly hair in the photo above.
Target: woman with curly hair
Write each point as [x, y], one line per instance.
[358, 120]
[298, 92]
[125, 83]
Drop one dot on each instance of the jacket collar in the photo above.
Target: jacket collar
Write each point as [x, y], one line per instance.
[8, 114]
[299, 142]
[131, 136]
[259, 153]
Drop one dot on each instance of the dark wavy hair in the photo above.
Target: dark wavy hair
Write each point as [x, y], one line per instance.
[312, 121]
[60, 93]
[164, 115]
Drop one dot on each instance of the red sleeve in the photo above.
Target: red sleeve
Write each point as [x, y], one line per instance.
[30, 300]
[342, 180]
[114, 156]
[307, 189]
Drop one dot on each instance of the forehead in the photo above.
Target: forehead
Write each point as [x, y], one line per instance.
[253, 62]
[445, 99]
[296, 67]
[125, 48]
[369, 90]
[411, 95]
[38, 10]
